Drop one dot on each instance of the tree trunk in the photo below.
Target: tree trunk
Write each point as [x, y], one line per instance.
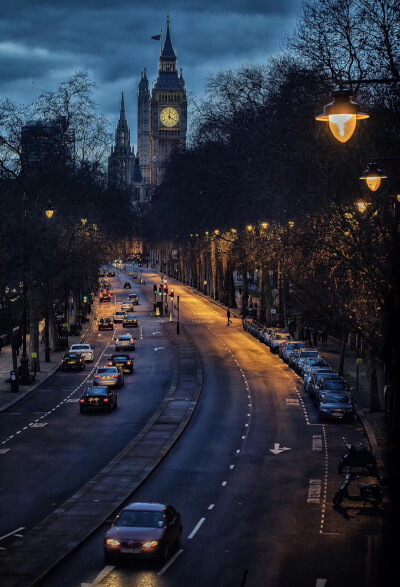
[342, 353]
[374, 403]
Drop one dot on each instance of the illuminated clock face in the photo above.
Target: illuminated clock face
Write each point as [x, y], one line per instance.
[169, 116]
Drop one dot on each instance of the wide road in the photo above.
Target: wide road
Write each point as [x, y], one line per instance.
[53, 450]
[253, 476]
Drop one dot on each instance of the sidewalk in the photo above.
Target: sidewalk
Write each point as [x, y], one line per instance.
[7, 397]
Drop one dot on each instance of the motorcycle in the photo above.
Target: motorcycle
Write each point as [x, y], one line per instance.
[368, 492]
[354, 457]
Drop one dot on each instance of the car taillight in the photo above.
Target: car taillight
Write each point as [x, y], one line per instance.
[129, 363]
[82, 401]
[110, 364]
[105, 399]
[97, 376]
[81, 360]
[115, 376]
[62, 360]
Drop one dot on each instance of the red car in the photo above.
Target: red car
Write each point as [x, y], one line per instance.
[143, 530]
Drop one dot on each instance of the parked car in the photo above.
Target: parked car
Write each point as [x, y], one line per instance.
[127, 305]
[143, 530]
[119, 316]
[109, 376]
[134, 298]
[278, 339]
[308, 378]
[85, 350]
[105, 324]
[303, 355]
[127, 285]
[337, 405]
[130, 320]
[310, 362]
[73, 361]
[125, 341]
[293, 356]
[289, 346]
[123, 362]
[98, 398]
[274, 331]
[332, 382]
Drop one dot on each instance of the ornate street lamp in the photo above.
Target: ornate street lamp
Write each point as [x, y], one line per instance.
[373, 176]
[342, 114]
[49, 209]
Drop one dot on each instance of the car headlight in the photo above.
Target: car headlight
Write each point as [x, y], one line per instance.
[112, 542]
[150, 544]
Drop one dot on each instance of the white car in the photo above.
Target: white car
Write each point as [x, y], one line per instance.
[127, 305]
[85, 350]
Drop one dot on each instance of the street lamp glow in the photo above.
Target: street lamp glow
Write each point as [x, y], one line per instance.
[216, 232]
[342, 115]
[291, 223]
[49, 209]
[373, 176]
[249, 227]
[264, 225]
[362, 206]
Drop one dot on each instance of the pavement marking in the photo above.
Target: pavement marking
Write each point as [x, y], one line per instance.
[321, 582]
[169, 563]
[211, 506]
[11, 533]
[231, 466]
[224, 483]
[3, 451]
[100, 576]
[314, 491]
[292, 402]
[317, 442]
[196, 528]
[278, 449]
[37, 425]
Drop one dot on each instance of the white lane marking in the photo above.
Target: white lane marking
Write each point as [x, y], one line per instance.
[3, 451]
[224, 483]
[195, 529]
[169, 563]
[210, 507]
[314, 491]
[292, 402]
[321, 582]
[278, 449]
[38, 425]
[11, 533]
[100, 576]
[232, 466]
[159, 348]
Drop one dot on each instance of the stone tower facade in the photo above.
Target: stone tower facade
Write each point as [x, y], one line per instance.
[168, 112]
[143, 150]
[122, 159]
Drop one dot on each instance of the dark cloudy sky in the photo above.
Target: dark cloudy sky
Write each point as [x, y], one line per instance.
[43, 42]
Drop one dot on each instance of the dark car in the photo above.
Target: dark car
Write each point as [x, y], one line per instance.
[134, 298]
[123, 362]
[337, 405]
[105, 324]
[130, 320]
[127, 285]
[101, 397]
[73, 361]
[143, 530]
[125, 342]
[105, 296]
[332, 382]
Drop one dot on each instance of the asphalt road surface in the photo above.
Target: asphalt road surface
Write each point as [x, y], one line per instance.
[253, 475]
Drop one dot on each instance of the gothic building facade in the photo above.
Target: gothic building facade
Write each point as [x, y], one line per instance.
[162, 127]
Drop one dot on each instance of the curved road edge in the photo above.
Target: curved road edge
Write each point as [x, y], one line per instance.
[44, 546]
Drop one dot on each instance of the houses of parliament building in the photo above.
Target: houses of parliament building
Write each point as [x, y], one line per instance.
[161, 124]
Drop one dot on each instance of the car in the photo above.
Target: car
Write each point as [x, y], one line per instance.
[310, 362]
[125, 341]
[105, 296]
[278, 339]
[123, 362]
[127, 285]
[98, 398]
[308, 378]
[293, 356]
[105, 324]
[134, 298]
[271, 333]
[332, 382]
[119, 316]
[143, 530]
[303, 355]
[73, 361]
[130, 320]
[289, 346]
[337, 405]
[108, 376]
[111, 273]
[85, 350]
[127, 305]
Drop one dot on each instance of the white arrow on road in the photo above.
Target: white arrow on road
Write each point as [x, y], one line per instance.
[321, 582]
[277, 449]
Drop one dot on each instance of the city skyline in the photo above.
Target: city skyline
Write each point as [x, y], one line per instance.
[46, 44]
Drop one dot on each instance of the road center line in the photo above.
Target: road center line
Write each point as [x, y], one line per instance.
[169, 563]
[196, 528]
[11, 533]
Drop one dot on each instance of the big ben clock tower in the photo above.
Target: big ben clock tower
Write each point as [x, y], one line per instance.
[168, 112]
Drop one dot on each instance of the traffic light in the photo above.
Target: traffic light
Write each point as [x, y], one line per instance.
[165, 288]
[171, 293]
[155, 288]
[160, 290]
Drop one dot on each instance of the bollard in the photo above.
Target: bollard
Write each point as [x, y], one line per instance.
[14, 381]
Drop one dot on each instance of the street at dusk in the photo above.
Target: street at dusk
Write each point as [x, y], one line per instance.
[200, 294]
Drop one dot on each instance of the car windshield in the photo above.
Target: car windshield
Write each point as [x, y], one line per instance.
[120, 358]
[120, 313]
[131, 317]
[72, 356]
[305, 354]
[334, 384]
[80, 347]
[336, 398]
[96, 391]
[107, 370]
[124, 337]
[137, 519]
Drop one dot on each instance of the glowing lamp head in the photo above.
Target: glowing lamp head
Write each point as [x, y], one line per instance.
[373, 176]
[342, 115]
[362, 206]
[49, 209]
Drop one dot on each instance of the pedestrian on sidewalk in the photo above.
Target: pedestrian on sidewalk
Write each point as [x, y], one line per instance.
[228, 315]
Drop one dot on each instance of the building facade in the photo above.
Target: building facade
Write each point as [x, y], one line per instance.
[162, 127]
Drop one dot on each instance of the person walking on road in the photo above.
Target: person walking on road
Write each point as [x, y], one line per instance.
[228, 315]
